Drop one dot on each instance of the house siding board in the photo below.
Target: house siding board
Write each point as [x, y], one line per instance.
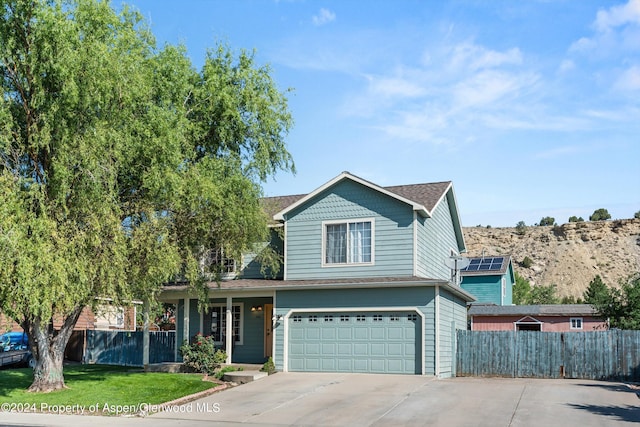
[486, 289]
[393, 233]
[423, 298]
[251, 266]
[452, 317]
[439, 238]
[422, 245]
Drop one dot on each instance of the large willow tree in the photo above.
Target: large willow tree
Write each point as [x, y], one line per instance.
[120, 163]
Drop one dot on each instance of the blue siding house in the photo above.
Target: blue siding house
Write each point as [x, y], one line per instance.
[490, 279]
[363, 286]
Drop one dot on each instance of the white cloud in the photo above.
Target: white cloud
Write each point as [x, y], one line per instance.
[617, 16]
[474, 57]
[486, 88]
[566, 65]
[617, 29]
[629, 80]
[323, 17]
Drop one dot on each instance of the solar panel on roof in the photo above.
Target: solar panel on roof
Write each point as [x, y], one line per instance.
[485, 264]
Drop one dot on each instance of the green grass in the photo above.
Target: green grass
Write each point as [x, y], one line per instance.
[99, 385]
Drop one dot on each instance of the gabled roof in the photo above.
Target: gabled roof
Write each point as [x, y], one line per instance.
[421, 197]
[532, 310]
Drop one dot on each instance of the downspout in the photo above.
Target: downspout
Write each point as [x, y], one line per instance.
[415, 243]
[229, 330]
[437, 328]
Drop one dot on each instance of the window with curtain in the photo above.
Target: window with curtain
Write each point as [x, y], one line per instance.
[348, 243]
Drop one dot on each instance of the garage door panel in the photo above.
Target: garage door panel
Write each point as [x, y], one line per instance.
[329, 349]
[345, 365]
[329, 333]
[396, 333]
[395, 349]
[378, 366]
[377, 333]
[345, 349]
[395, 365]
[312, 349]
[360, 333]
[377, 342]
[378, 349]
[360, 349]
[345, 333]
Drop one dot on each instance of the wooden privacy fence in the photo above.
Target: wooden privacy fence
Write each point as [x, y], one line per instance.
[605, 355]
[125, 348]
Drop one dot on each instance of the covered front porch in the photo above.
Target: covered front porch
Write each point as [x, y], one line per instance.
[241, 323]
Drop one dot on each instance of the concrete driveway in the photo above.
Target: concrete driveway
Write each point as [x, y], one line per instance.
[309, 399]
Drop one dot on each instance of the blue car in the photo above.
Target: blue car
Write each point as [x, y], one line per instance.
[14, 341]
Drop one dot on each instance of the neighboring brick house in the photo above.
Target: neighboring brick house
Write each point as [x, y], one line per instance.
[544, 317]
[110, 318]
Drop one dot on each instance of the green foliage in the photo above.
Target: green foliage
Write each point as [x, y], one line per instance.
[521, 228]
[115, 385]
[547, 221]
[600, 215]
[121, 164]
[575, 219]
[526, 262]
[269, 366]
[521, 290]
[201, 355]
[570, 299]
[524, 293]
[621, 306]
[220, 374]
[597, 293]
[542, 294]
[636, 215]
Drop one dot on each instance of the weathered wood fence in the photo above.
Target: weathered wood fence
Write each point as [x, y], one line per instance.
[606, 355]
[125, 348]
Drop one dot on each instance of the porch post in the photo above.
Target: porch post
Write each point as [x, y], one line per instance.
[145, 335]
[185, 315]
[229, 329]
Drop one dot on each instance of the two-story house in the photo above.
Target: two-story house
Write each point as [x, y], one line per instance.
[364, 286]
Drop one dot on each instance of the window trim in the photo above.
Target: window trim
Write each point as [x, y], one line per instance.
[348, 263]
[240, 321]
[576, 319]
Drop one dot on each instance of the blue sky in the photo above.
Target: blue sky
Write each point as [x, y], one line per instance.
[531, 108]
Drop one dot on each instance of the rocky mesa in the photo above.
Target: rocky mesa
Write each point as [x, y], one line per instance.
[568, 255]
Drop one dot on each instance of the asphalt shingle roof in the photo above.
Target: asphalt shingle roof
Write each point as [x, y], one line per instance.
[532, 310]
[427, 194]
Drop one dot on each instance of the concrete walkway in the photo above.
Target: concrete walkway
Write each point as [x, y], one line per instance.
[309, 399]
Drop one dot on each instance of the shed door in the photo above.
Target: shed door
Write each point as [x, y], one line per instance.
[371, 342]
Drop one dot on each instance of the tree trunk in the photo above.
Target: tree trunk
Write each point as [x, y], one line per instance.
[47, 348]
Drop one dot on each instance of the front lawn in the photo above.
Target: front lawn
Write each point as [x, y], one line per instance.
[98, 387]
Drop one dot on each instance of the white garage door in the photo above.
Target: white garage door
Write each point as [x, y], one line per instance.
[375, 342]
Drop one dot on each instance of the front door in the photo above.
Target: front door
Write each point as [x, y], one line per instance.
[268, 328]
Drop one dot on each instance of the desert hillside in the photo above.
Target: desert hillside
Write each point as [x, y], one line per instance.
[568, 255]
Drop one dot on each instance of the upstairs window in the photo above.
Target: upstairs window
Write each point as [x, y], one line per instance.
[348, 242]
[216, 261]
